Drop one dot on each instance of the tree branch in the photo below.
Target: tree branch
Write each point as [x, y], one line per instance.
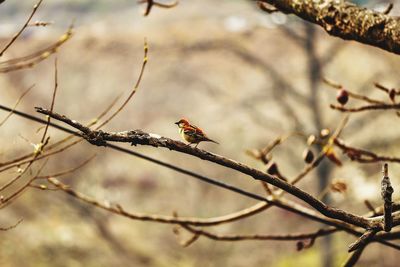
[277, 237]
[363, 240]
[138, 137]
[386, 192]
[15, 37]
[361, 155]
[347, 21]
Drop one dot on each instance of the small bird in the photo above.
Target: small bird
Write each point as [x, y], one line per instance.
[192, 133]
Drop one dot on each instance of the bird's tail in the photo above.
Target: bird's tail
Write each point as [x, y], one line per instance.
[210, 140]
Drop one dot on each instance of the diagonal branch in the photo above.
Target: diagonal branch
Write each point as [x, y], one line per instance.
[363, 240]
[15, 37]
[138, 137]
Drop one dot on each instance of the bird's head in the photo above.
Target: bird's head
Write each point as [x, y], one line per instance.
[182, 122]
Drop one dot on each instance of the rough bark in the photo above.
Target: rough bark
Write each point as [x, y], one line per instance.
[347, 21]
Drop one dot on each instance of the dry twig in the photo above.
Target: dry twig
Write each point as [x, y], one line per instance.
[151, 3]
[386, 192]
[15, 37]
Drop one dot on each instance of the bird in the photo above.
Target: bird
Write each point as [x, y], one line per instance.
[191, 133]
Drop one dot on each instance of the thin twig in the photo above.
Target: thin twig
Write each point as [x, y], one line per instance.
[6, 201]
[375, 107]
[361, 155]
[282, 237]
[16, 105]
[35, 8]
[25, 159]
[36, 57]
[151, 3]
[337, 86]
[139, 79]
[370, 207]
[385, 89]
[12, 226]
[53, 98]
[65, 172]
[38, 149]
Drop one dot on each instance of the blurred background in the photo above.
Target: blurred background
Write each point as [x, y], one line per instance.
[244, 76]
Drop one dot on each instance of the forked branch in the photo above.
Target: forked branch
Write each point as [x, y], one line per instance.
[138, 137]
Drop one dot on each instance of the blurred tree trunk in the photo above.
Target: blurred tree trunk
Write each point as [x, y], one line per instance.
[314, 69]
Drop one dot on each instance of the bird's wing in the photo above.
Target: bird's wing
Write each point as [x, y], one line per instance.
[198, 130]
[194, 132]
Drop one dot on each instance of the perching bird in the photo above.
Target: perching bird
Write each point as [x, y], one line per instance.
[192, 133]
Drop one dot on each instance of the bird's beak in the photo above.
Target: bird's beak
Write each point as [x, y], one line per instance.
[177, 123]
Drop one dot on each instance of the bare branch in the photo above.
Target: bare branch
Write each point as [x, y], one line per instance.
[53, 98]
[62, 173]
[38, 150]
[12, 226]
[25, 159]
[139, 79]
[359, 246]
[375, 107]
[117, 209]
[36, 57]
[361, 155]
[151, 3]
[138, 137]
[363, 240]
[283, 237]
[370, 207]
[347, 21]
[386, 192]
[8, 45]
[337, 86]
[16, 105]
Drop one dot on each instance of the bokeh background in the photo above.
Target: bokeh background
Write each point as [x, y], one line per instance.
[246, 77]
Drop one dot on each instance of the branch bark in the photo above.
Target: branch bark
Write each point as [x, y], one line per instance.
[386, 192]
[347, 21]
[138, 137]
